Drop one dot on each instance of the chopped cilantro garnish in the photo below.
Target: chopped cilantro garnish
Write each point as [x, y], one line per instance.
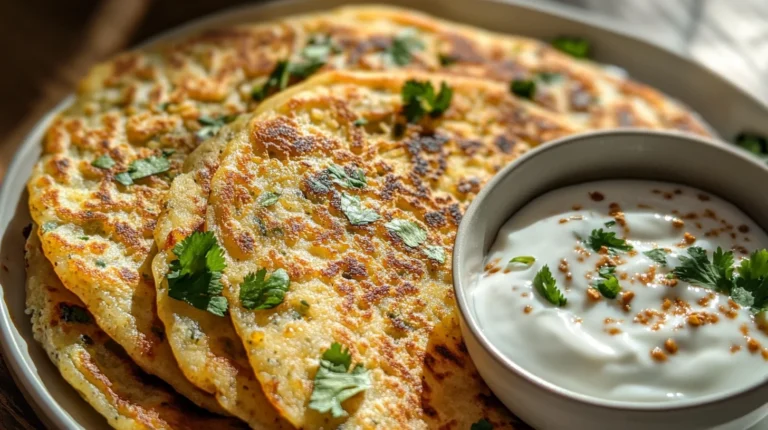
[599, 238]
[435, 252]
[754, 143]
[84, 237]
[403, 46]
[408, 231]
[195, 276]
[277, 81]
[610, 224]
[211, 126]
[100, 263]
[314, 56]
[74, 313]
[360, 122]
[658, 255]
[546, 285]
[573, 46]
[335, 383]
[698, 270]
[354, 179]
[104, 162]
[752, 282]
[142, 168]
[356, 213]
[523, 88]
[482, 424]
[523, 259]
[259, 293]
[549, 77]
[419, 99]
[608, 285]
[446, 60]
[269, 198]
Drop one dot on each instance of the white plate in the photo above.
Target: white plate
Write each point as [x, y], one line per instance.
[720, 103]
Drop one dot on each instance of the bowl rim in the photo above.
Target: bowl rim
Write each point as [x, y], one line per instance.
[508, 364]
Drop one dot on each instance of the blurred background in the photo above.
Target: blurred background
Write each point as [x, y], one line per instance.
[48, 45]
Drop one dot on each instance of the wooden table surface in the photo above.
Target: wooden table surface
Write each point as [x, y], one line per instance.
[48, 44]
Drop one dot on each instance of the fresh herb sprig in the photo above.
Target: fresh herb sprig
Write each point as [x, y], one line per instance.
[574, 46]
[599, 238]
[420, 99]
[195, 276]
[546, 285]
[335, 383]
[608, 284]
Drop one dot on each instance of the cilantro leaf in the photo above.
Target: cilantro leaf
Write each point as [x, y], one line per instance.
[549, 77]
[419, 99]
[599, 238]
[355, 212]
[142, 168]
[339, 175]
[754, 143]
[276, 81]
[104, 162]
[269, 198]
[753, 279]
[610, 224]
[573, 46]
[334, 383]
[742, 297]
[446, 60]
[523, 259]
[211, 126]
[258, 293]
[698, 270]
[195, 276]
[435, 252]
[609, 285]
[482, 424]
[658, 255]
[546, 285]
[523, 88]
[360, 122]
[403, 45]
[74, 313]
[408, 231]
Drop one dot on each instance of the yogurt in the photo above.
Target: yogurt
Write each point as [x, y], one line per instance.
[660, 338]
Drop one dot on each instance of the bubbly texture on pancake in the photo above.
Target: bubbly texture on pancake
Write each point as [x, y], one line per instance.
[95, 365]
[108, 160]
[365, 286]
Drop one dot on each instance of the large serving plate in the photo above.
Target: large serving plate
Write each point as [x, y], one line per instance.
[721, 104]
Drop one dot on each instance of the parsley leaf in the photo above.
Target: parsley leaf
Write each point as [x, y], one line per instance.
[523, 259]
[408, 231]
[258, 293]
[599, 238]
[339, 175]
[482, 424]
[355, 212]
[573, 46]
[195, 276]
[74, 313]
[753, 143]
[104, 162]
[609, 285]
[546, 285]
[658, 255]
[211, 126]
[142, 168]
[403, 46]
[435, 252]
[698, 270]
[419, 99]
[334, 383]
[269, 198]
[523, 88]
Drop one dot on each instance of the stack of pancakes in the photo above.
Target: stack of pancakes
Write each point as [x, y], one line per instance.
[289, 156]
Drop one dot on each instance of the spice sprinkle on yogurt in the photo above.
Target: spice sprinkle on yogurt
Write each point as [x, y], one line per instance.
[629, 290]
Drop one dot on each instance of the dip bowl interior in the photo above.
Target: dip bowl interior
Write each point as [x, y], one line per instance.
[709, 165]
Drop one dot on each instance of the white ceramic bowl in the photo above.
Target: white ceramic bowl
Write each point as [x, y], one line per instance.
[722, 170]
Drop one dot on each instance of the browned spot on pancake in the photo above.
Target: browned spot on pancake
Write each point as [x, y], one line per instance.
[505, 144]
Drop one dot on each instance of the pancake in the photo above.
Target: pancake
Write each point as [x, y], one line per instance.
[361, 286]
[96, 366]
[108, 159]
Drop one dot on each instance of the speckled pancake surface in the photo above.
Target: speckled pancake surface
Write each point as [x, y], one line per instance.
[96, 366]
[360, 285]
[108, 160]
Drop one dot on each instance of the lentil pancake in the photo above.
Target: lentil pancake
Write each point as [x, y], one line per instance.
[108, 159]
[360, 286]
[95, 366]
